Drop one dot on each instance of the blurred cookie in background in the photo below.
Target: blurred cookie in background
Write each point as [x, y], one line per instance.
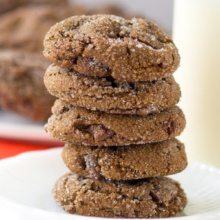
[25, 27]
[21, 85]
[52, 2]
[8, 5]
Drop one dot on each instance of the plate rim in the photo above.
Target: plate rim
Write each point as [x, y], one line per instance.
[34, 131]
[24, 207]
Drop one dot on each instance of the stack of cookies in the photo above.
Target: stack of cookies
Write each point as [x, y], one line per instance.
[117, 115]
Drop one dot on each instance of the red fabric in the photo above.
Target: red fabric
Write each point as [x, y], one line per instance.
[10, 148]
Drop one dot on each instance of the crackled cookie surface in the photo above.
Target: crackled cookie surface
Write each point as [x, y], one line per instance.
[107, 45]
[126, 163]
[109, 95]
[21, 85]
[153, 197]
[82, 126]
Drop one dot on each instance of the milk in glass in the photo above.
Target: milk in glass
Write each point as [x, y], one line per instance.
[197, 36]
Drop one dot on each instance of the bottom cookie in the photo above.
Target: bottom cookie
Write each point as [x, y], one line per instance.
[152, 197]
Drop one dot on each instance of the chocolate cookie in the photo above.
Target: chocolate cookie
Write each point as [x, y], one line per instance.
[153, 197]
[109, 95]
[8, 5]
[106, 45]
[25, 27]
[119, 163]
[82, 126]
[21, 85]
[52, 2]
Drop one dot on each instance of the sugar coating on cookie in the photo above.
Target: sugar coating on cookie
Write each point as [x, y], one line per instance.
[109, 95]
[126, 163]
[94, 128]
[107, 45]
[152, 197]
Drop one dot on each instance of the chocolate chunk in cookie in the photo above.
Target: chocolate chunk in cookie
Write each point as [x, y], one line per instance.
[82, 126]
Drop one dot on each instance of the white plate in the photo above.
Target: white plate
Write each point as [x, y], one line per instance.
[14, 126]
[26, 182]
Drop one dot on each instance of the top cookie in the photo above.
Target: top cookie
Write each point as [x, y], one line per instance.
[107, 45]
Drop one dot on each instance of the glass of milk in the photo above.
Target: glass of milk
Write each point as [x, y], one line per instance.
[197, 35]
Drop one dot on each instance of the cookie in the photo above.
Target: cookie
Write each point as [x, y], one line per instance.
[94, 128]
[109, 95]
[107, 45]
[8, 5]
[52, 2]
[21, 85]
[25, 27]
[153, 197]
[118, 163]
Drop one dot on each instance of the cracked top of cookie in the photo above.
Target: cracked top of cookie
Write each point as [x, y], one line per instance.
[107, 45]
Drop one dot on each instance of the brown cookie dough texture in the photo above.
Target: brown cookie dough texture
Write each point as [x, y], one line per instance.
[82, 126]
[107, 45]
[153, 197]
[126, 163]
[109, 95]
[21, 85]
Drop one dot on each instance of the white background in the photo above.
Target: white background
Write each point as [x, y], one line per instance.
[159, 10]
